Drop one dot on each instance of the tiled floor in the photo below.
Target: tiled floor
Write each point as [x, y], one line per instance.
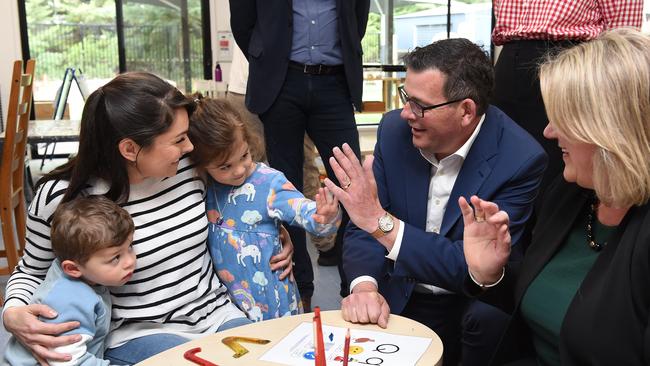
[327, 284]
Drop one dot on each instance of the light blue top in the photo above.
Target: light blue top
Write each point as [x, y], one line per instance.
[73, 300]
[316, 33]
[244, 235]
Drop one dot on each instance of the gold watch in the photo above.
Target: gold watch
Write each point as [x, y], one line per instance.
[385, 225]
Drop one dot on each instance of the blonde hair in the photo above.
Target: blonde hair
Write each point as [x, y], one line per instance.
[599, 93]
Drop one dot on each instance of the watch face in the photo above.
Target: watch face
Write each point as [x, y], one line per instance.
[386, 223]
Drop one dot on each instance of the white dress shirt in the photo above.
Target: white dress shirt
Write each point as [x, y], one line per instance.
[443, 178]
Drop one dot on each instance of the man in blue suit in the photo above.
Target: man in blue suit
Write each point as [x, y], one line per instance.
[404, 252]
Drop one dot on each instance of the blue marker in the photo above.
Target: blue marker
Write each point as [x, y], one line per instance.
[331, 337]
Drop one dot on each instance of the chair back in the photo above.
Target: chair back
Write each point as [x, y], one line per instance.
[12, 196]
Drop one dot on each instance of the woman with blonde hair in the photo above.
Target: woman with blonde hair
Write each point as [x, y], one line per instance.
[582, 291]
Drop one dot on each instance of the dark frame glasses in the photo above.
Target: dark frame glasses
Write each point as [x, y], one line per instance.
[417, 108]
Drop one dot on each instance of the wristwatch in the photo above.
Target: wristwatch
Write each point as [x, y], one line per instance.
[386, 223]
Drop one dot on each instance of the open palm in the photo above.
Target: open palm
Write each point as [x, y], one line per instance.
[486, 243]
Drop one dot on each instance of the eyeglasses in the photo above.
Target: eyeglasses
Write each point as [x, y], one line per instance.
[417, 108]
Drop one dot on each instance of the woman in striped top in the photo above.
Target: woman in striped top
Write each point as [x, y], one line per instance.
[132, 148]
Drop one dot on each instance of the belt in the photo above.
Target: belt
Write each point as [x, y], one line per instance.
[316, 69]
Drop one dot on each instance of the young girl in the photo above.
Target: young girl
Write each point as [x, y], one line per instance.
[246, 202]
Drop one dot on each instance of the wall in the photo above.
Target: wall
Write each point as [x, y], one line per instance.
[220, 19]
[9, 48]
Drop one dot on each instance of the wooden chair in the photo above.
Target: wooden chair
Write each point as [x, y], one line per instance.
[12, 196]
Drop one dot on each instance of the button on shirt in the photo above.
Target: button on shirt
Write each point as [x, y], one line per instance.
[316, 33]
[443, 178]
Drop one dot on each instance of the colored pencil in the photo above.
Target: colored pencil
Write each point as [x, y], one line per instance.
[320, 345]
[346, 348]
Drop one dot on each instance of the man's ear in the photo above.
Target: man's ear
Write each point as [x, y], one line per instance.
[71, 268]
[468, 110]
[129, 149]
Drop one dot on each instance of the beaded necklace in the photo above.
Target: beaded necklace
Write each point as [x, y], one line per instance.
[591, 221]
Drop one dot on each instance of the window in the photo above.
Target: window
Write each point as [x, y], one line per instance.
[167, 37]
[64, 34]
[397, 26]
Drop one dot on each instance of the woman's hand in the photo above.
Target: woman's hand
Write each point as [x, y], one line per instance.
[37, 336]
[327, 207]
[486, 239]
[284, 259]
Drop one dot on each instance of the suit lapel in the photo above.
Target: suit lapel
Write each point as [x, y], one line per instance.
[417, 173]
[475, 170]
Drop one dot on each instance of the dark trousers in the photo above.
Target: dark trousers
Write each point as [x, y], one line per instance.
[517, 93]
[321, 106]
[470, 330]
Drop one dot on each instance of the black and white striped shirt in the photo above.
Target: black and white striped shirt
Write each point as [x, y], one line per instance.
[174, 288]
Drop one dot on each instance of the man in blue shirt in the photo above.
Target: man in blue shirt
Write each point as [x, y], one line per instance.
[305, 75]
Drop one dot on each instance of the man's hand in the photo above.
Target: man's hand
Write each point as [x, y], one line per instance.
[358, 191]
[37, 336]
[365, 305]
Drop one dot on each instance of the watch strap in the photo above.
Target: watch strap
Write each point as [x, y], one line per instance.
[378, 233]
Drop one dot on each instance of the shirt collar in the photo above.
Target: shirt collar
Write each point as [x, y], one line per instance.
[462, 151]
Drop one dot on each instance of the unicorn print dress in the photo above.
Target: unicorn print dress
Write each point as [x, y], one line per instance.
[244, 235]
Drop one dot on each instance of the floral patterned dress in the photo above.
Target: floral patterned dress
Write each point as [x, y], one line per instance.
[244, 235]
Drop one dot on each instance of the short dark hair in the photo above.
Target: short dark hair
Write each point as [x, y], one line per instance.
[467, 67]
[214, 128]
[135, 105]
[85, 225]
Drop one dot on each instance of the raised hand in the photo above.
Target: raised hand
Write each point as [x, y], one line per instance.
[486, 239]
[327, 207]
[358, 191]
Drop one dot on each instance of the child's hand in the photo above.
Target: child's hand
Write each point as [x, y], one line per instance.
[327, 207]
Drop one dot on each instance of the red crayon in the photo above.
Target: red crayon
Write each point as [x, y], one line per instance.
[346, 348]
[319, 346]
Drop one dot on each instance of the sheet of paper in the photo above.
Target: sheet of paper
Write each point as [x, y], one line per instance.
[366, 347]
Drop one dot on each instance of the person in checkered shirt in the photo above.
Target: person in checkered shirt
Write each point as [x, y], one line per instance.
[528, 30]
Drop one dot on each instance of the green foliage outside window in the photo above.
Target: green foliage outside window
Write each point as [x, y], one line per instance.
[83, 34]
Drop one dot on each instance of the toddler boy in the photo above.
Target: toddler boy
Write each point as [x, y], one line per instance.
[91, 239]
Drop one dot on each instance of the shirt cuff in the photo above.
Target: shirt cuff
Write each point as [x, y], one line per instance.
[10, 304]
[392, 255]
[360, 279]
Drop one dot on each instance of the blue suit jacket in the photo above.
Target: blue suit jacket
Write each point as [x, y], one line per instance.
[504, 165]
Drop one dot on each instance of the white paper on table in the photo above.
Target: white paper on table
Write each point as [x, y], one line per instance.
[366, 347]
